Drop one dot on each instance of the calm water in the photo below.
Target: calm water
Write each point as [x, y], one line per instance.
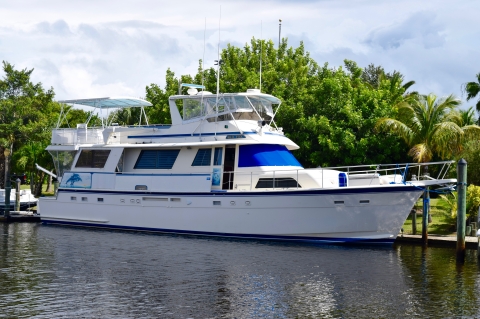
[57, 272]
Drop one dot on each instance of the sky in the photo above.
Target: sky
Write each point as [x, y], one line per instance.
[95, 48]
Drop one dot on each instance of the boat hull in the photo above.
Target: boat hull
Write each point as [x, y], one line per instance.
[353, 215]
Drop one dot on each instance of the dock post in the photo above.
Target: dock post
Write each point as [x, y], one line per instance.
[478, 233]
[17, 194]
[461, 208]
[8, 185]
[426, 206]
[414, 221]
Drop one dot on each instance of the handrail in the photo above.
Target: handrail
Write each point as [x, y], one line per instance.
[245, 179]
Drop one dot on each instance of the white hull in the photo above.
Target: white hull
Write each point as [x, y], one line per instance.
[357, 214]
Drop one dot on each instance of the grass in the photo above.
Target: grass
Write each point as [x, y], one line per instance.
[44, 189]
[439, 224]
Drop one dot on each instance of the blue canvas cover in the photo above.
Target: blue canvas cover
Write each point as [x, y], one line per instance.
[266, 155]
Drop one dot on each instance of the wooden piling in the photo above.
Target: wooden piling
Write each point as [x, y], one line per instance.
[478, 237]
[461, 208]
[17, 194]
[414, 221]
[8, 185]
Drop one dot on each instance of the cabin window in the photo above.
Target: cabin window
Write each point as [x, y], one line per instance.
[283, 182]
[156, 159]
[266, 155]
[203, 157]
[217, 158]
[63, 160]
[119, 167]
[93, 158]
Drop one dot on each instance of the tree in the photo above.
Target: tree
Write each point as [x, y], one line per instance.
[467, 117]
[160, 111]
[429, 126]
[473, 89]
[330, 113]
[26, 115]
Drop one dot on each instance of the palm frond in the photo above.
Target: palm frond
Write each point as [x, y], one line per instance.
[472, 89]
[407, 85]
[421, 153]
[396, 127]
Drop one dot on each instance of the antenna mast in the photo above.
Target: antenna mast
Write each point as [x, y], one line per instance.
[261, 54]
[279, 31]
[203, 59]
[218, 62]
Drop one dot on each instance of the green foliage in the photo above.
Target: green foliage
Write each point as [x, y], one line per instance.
[329, 113]
[430, 126]
[27, 116]
[160, 112]
[471, 153]
[473, 89]
[341, 115]
[473, 200]
[448, 206]
[467, 117]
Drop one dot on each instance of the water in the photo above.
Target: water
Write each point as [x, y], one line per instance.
[59, 272]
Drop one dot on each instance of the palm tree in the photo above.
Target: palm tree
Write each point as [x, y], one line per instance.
[473, 89]
[467, 117]
[429, 126]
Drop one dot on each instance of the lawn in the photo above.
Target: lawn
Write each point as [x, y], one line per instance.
[44, 189]
[438, 225]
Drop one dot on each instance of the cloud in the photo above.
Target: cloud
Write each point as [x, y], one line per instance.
[420, 27]
[103, 49]
[59, 28]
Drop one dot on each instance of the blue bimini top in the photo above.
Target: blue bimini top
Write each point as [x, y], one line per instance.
[266, 155]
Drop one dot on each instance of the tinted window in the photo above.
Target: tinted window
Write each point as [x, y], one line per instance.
[217, 157]
[286, 182]
[156, 159]
[93, 158]
[203, 157]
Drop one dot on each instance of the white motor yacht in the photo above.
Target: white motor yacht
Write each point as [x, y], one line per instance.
[221, 168]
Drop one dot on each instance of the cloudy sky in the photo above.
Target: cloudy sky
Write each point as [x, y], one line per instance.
[94, 48]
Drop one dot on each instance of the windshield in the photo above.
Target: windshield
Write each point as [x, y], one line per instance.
[211, 107]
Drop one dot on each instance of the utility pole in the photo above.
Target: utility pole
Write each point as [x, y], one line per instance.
[279, 31]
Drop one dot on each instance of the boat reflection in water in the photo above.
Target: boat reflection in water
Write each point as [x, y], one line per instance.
[57, 272]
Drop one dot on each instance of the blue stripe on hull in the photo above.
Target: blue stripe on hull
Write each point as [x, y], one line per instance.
[261, 193]
[323, 240]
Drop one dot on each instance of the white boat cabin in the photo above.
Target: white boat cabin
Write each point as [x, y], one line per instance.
[228, 142]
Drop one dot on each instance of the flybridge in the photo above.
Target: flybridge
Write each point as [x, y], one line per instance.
[242, 115]
[251, 105]
[105, 103]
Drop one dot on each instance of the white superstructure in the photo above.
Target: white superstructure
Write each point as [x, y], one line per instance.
[222, 168]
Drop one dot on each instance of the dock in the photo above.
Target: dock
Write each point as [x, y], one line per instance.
[20, 217]
[437, 240]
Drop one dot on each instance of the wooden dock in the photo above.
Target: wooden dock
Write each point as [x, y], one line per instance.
[438, 240]
[20, 217]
